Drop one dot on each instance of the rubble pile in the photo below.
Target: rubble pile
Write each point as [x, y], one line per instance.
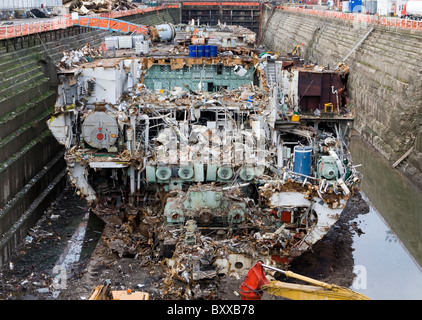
[99, 6]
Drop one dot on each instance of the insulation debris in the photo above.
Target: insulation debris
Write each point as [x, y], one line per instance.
[74, 58]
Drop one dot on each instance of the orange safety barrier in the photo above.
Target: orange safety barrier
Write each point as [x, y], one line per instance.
[201, 3]
[240, 3]
[110, 24]
[390, 21]
[18, 30]
[209, 3]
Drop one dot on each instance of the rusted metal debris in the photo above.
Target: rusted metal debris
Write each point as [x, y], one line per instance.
[99, 6]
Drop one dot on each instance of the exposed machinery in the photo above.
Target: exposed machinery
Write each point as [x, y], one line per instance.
[297, 50]
[182, 147]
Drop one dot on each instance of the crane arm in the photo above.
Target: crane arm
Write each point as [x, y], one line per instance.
[256, 283]
[318, 290]
[308, 292]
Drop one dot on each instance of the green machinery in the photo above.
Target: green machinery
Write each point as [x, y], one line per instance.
[174, 177]
[212, 77]
[209, 208]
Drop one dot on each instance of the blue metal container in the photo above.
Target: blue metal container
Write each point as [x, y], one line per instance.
[200, 51]
[303, 160]
[213, 51]
[207, 52]
[355, 6]
[192, 51]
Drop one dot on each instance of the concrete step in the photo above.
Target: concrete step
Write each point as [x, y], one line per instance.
[11, 60]
[381, 52]
[19, 53]
[20, 137]
[51, 183]
[17, 67]
[27, 93]
[411, 41]
[341, 35]
[342, 48]
[18, 77]
[28, 204]
[19, 168]
[379, 81]
[25, 113]
[397, 48]
[26, 80]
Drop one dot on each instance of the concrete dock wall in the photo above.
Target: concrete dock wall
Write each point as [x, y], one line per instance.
[385, 77]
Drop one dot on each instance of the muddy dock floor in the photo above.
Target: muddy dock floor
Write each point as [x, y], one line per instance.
[30, 275]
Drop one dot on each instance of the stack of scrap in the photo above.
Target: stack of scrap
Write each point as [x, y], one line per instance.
[342, 67]
[98, 6]
[74, 58]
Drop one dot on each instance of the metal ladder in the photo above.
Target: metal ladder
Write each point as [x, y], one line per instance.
[270, 72]
[358, 44]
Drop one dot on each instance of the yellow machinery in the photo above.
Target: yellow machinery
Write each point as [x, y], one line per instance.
[104, 292]
[256, 284]
[328, 110]
[328, 106]
[317, 291]
[296, 51]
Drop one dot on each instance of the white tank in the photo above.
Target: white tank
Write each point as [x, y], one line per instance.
[112, 42]
[136, 39]
[167, 32]
[142, 47]
[414, 8]
[100, 130]
[125, 42]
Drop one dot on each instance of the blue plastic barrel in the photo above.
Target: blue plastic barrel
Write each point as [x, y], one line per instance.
[303, 159]
[213, 51]
[207, 52]
[200, 51]
[192, 51]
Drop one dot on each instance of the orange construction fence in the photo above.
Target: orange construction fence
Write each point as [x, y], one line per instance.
[24, 29]
[209, 3]
[360, 17]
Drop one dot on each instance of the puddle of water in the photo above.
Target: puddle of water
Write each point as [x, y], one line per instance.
[384, 268]
[389, 253]
[397, 201]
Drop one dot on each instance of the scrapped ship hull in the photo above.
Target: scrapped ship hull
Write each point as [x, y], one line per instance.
[206, 161]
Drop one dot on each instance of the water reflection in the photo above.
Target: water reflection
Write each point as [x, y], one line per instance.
[390, 237]
[398, 202]
[383, 268]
